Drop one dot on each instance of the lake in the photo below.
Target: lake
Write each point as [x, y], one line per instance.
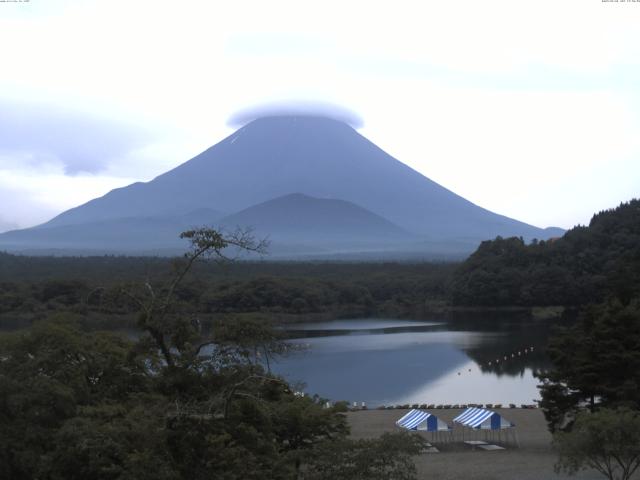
[464, 359]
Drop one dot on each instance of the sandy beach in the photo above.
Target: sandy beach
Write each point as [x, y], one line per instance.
[532, 460]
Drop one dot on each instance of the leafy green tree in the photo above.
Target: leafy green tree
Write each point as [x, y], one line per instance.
[388, 457]
[607, 440]
[595, 363]
[113, 441]
[48, 375]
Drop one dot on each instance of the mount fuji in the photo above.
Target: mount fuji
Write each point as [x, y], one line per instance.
[312, 184]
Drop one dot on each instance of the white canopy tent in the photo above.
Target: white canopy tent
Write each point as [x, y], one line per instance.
[424, 421]
[480, 419]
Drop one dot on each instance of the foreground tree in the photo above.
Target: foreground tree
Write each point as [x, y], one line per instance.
[251, 339]
[384, 458]
[174, 405]
[175, 335]
[49, 377]
[596, 363]
[607, 441]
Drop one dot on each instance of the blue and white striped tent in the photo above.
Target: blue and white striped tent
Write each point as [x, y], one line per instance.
[481, 419]
[424, 421]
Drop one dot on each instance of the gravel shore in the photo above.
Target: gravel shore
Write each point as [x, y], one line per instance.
[532, 460]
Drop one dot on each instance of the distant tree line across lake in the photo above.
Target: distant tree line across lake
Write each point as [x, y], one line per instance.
[33, 287]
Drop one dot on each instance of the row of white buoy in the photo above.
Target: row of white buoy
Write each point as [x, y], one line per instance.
[519, 353]
[355, 406]
[513, 355]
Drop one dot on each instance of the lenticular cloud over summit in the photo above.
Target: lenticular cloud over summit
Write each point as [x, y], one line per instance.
[296, 108]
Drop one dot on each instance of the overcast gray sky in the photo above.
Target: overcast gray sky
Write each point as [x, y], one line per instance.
[529, 109]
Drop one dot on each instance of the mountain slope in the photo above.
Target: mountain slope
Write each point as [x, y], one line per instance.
[117, 235]
[273, 157]
[300, 218]
[276, 156]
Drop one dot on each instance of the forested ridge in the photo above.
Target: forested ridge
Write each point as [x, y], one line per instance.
[587, 265]
[92, 287]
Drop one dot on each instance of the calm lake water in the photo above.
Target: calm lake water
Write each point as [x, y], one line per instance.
[387, 361]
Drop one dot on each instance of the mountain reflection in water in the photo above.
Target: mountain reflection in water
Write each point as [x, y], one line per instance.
[382, 362]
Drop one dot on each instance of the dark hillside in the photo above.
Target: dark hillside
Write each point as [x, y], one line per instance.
[586, 265]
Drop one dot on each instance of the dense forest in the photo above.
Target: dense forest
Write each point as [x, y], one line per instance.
[586, 265]
[95, 288]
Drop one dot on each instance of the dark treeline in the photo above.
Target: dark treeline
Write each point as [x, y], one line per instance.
[94, 287]
[586, 265]
[112, 269]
